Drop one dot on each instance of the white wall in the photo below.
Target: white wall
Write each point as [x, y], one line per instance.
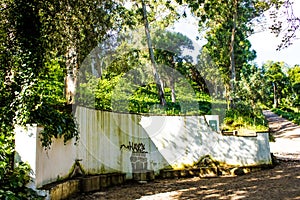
[47, 165]
[103, 133]
[169, 140]
[174, 140]
[184, 140]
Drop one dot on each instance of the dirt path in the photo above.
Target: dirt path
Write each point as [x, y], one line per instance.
[281, 182]
[287, 136]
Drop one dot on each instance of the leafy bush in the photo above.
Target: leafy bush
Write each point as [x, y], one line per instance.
[103, 94]
[30, 98]
[289, 114]
[42, 101]
[244, 116]
[13, 178]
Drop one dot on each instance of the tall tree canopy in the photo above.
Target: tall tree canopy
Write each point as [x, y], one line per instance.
[36, 34]
[228, 27]
[294, 78]
[277, 81]
[42, 42]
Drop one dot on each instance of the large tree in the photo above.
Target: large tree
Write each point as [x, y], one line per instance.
[277, 81]
[294, 78]
[229, 23]
[120, 53]
[156, 8]
[169, 48]
[39, 35]
[252, 87]
[73, 28]
[38, 41]
[227, 37]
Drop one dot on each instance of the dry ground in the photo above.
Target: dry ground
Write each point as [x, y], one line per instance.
[281, 182]
[287, 136]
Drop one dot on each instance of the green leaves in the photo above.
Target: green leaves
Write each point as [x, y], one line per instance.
[13, 179]
[245, 116]
[228, 29]
[288, 114]
[294, 78]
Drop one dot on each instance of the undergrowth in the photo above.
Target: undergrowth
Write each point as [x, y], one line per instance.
[243, 116]
[288, 114]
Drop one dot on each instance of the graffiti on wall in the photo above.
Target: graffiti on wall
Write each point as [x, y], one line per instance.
[134, 147]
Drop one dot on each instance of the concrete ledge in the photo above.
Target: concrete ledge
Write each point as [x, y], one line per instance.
[143, 175]
[68, 188]
[117, 178]
[63, 190]
[89, 183]
[98, 182]
[207, 172]
[170, 173]
[105, 180]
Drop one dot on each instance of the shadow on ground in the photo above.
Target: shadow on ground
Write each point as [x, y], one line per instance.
[281, 182]
[281, 127]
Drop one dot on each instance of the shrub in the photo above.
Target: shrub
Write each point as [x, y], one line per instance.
[244, 116]
[288, 113]
[13, 178]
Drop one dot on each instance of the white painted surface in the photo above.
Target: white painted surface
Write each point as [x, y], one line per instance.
[169, 140]
[47, 165]
[103, 133]
[25, 145]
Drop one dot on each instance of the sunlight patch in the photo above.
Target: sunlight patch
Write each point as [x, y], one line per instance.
[162, 196]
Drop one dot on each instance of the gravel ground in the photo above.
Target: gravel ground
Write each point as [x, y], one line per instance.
[281, 182]
[287, 137]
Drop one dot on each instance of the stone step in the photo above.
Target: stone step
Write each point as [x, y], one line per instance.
[67, 188]
[170, 173]
[61, 190]
[206, 172]
[143, 175]
[98, 182]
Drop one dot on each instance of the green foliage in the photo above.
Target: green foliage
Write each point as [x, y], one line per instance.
[36, 101]
[13, 178]
[33, 34]
[277, 83]
[51, 83]
[294, 74]
[288, 114]
[245, 116]
[56, 123]
[252, 87]
[32, 84]
[266, 86]
[294, 78]
[126, 83]
[102, 94]
[42, 101]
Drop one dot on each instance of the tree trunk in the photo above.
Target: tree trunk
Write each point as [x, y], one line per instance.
[172, 79]
[70, 80]
[232, 61]
[153, 64]
[275, 96]
[172, 86]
